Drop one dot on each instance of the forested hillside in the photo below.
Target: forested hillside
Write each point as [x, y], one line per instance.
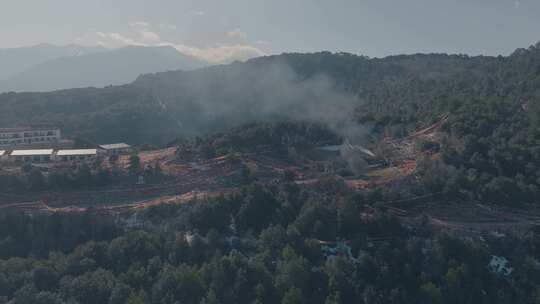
[491, 149]
[276, 244]
[454, 220]
[395, 94]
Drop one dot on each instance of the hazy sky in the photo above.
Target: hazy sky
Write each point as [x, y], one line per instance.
[223, 28]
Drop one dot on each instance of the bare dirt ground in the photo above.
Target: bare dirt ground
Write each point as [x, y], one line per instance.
[206, 176]
[184, 179]
[165, 158]
[217, 176]
[42, 206]
[469, 218]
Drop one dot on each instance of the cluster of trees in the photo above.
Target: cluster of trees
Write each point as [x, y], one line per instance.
[35, 179]
[23, 235]
[83, 176]
[261, 245]
[491, 153]
[277, 136]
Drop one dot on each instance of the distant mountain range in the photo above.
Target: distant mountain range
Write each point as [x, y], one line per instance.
[16, 60]
[47, 67]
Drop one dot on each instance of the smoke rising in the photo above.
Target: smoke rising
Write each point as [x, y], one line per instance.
[260, 90]
[263, 90]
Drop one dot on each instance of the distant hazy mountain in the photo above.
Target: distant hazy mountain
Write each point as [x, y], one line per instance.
[17, 60]
[75, 67]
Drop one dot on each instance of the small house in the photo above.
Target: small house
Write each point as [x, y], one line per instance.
[115, 149]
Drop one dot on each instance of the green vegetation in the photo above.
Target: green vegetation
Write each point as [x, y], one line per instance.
[278, 136]
[282, 242]
[394, 95]
[491, 153]
[260, 245]
[76, 177]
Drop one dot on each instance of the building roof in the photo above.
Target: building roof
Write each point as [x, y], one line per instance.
[32, 152]
[115, 146]
[76, 152]
[332, 148]
[23, 129]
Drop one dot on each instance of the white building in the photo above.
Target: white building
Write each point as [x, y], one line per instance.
[75, 155]
[115, 149]
[29, 136]
[37, 156]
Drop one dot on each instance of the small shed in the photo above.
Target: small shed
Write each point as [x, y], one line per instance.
[38, 156]
[116, 149]
[76, 155]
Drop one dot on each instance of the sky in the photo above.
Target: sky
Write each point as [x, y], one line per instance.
[221, 30]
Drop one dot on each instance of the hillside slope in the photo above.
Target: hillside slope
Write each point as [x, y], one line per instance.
[394, 95]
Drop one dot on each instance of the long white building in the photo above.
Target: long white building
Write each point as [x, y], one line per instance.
[48, 155]
[27, 136]
[38, 156]
[75, 155]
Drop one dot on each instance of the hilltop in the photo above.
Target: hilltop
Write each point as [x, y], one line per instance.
[395, 94]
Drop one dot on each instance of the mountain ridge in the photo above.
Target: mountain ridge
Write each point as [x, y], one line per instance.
[394, 94]
[16, 60]
[97, 69]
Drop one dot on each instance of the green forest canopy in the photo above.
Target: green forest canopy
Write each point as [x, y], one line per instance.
[397, 93]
